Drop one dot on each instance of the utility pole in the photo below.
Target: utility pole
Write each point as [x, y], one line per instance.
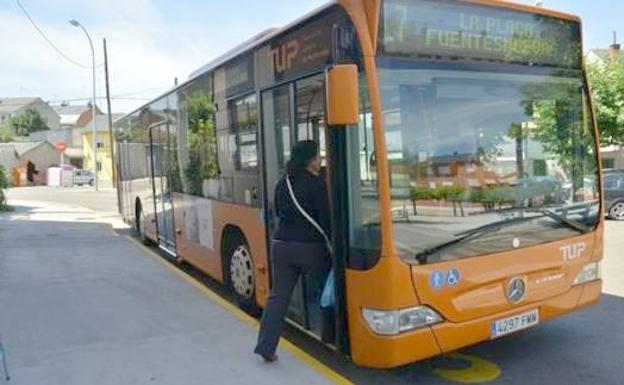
[110, 118]
[77, 24]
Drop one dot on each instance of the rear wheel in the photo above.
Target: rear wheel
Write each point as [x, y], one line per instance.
[239, 272]
[617, 211]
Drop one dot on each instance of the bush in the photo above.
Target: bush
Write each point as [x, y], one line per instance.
[445, 193]
[4, 183]
[422, 194]
[451, 193]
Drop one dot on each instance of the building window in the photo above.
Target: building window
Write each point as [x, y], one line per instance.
[244, 118]
[100, 144]
[608, 163]
[99, 166]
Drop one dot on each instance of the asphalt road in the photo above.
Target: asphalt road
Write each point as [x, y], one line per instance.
[582, 348]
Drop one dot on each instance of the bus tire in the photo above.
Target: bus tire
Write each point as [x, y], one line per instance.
[239, 271]
[139, 223]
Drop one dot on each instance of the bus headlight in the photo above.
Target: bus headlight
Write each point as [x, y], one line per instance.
[590, 272]
[392, 322]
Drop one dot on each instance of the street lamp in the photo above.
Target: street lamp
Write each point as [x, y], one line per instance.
[75, 23]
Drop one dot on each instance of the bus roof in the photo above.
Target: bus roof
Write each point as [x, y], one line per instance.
[242, 48]
[270, 33]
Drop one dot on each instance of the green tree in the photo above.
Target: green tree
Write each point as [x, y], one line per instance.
[202, 142]
[28, 121]
[607, 83]
[561, 125]
[7, 133]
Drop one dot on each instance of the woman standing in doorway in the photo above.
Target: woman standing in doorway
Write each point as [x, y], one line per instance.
[300, 242]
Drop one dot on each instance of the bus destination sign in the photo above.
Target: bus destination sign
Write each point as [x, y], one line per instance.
[450, 29]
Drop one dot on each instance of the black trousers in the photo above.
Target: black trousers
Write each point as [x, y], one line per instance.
[290, 260]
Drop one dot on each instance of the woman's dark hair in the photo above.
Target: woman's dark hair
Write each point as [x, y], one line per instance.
[301, 155]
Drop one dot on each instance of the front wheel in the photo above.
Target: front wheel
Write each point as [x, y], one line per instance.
[240, 276]
[617, 211]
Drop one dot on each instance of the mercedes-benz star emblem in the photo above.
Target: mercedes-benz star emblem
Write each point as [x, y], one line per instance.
[516, 290]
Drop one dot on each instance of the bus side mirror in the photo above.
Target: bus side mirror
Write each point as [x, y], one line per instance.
[343, 93]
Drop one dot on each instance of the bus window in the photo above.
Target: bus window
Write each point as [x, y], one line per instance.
[244, 118]
[365, 230]
[277, 128]
[311, 112]
[244, 148]
[203, 164]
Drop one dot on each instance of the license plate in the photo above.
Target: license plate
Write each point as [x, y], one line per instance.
[513, 324]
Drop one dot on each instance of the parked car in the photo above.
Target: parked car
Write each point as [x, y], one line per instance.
[82, 177]
[614, 194]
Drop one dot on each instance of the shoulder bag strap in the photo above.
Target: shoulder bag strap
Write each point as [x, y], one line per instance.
[306, 215]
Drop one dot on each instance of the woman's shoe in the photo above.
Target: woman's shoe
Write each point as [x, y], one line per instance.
[270, 357]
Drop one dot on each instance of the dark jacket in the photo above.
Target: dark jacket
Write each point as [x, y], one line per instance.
[311, 193]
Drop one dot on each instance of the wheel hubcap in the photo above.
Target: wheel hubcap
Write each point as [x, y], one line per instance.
[241, 272]
[617, 211]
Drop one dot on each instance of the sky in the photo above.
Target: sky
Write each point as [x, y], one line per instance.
[151, 42]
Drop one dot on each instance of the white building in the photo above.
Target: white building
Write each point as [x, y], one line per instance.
[11, 107]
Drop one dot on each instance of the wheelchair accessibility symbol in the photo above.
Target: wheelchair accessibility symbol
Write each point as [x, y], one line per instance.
[438, 279]
[453, 278]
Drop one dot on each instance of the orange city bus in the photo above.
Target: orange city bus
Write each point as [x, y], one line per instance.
[460, 152]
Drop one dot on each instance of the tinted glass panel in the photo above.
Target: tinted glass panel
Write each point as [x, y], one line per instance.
[505, 159]
[365, 230]
[202, 165]
[310, 98]
[239, 75]
[244, 113]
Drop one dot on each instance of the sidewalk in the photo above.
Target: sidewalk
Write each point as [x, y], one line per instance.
[81, 305]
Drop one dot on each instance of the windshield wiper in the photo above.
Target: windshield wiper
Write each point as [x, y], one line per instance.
[562, 220]
[424, 255]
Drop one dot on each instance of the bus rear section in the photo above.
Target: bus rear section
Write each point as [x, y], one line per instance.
[494, 177]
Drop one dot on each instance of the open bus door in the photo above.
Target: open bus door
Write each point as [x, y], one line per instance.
[292, 113]
[162, 151]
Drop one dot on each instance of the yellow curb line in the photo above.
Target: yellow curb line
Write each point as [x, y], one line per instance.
[307, 359]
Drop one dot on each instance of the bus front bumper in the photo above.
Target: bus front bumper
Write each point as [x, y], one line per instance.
[392, 351]
[453, 336]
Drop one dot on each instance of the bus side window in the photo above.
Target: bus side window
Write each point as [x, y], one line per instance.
[365, 230]
[311, 112]
[244, 141]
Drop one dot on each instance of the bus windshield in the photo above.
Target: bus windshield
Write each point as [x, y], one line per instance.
[484, 161]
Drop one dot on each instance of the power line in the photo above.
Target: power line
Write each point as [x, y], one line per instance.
[50, 41]
[146, 91]
[97, 98]
[75, 100]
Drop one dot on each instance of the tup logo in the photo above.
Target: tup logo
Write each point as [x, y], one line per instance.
[284, 55]
[573, 252]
